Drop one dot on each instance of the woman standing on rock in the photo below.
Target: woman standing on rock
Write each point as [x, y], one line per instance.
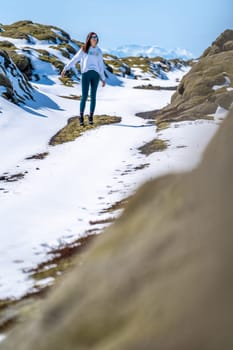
[92, 70]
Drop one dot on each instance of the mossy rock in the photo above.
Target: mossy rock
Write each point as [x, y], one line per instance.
[5, 81]
[6, 45]
[6, 57]
[162, 125]
[9, 92]
[63, 52]
[156, 145]
[23, 30]
[195, 96]
[67, 81]
[141, 62]
[73, 130]
[224, 42]
[153, 65]
[21, 23]
[47, 57]
[75, 97]
[43, 52]
[68, 47]
[224, 99]
[228, 45]
[14, 34]
[10, 71]
[115, 65]
[23, 63]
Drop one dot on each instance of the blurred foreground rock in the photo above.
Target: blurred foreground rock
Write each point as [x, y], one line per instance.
[160, 277]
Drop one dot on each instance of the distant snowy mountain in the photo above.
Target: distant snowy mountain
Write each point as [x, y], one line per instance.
[149, 51]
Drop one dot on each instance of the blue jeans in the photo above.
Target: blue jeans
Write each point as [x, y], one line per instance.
[91, 77]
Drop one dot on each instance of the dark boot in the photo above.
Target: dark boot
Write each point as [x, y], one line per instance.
[81, 119]
[90, 118]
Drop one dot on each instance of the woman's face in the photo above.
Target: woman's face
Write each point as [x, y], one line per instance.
[94, 39]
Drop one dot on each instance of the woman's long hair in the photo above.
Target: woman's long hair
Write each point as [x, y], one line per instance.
[87, 44]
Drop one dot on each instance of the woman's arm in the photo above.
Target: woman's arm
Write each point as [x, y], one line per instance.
[101, 66]
[76, 58]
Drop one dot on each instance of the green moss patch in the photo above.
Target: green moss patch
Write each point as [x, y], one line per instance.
[162, 125]
[47, 57]
[73, 130]
[38, 155]
[65, 49]
[7, 45]
[22, 62]
[22, 30]
[155, 145]
[67, 81]
[74, 97]
[141, 62]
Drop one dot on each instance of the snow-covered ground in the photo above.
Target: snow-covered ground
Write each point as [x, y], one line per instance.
[60, 194]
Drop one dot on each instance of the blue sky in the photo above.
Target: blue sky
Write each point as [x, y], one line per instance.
[189, 24]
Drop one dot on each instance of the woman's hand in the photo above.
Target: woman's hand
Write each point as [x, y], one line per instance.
[63, 72]
[103, 83]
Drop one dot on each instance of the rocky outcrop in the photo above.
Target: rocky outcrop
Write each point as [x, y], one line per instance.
[223, 43]
[27, 29]
[160, 277]
[13, 84]
[27, 56]
[142, 67]
[208, 84]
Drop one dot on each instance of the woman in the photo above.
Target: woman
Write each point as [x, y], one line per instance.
[92, 70]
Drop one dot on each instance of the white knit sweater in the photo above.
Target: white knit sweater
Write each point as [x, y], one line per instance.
[91, 60]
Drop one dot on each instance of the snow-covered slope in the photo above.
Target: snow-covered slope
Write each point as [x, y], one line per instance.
[142, 67]
[41, 51]
[149, 51]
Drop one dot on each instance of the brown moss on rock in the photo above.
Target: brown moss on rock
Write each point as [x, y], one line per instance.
[25, 29]
[224, 42]
[195, 97]
[50, 58]
[10, 74]
[5, 44]
[6, 83]
[73, 130]
[23, 63]
[156, 145]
